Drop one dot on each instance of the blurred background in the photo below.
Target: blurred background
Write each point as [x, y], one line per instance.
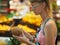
[30, 22]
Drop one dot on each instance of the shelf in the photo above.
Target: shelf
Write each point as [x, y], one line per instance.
[22, 23]
[5, 34]
[31, 26]
[3, 10]
[56, 18]
[3, 4]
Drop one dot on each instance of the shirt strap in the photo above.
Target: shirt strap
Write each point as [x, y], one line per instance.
[45, 24]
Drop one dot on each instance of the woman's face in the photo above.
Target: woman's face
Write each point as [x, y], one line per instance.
[39, 8]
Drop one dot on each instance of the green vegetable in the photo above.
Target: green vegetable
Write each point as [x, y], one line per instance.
[9, 43]
[10, 15]
[58, 25]
[14, 41]
[54, 6]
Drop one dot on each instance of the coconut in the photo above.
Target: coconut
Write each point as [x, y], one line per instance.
[16, 31]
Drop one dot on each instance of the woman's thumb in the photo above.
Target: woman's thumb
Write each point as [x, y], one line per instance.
[23, 33]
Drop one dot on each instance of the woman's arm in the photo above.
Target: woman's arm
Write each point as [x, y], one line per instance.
[28, 35]
[24, 39]
[30, 43]
[50, 33]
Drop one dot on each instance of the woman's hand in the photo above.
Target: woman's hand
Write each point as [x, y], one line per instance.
[29, 36]
[24, 40]
[21, 38]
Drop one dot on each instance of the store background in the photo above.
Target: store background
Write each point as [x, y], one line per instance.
[5, 26]
[58, 15]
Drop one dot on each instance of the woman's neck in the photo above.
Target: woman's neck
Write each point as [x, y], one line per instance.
[44, 16]
[44, 20]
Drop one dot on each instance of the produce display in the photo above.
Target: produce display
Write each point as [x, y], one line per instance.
[32, 18]
[26, 28]
[4, 27]
[58, 25]
[2, 42]
[4, 19]
[29, 23]
[10, 41]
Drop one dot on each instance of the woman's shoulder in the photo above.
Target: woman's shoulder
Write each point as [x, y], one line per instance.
[50, 22]
[51, 25]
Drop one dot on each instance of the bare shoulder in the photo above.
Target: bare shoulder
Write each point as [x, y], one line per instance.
[51, 23]
[51, 27]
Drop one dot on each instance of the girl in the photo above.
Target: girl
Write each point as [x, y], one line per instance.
[47, 34]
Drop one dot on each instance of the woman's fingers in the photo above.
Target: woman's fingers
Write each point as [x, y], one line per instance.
[17, 37]
[23, 34]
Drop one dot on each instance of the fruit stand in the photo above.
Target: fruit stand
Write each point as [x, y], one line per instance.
[29, 23]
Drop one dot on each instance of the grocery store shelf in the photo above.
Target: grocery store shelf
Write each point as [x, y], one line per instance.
[5, 34]
[58, 33]
[57, 16]
[3, 10]
[3, 4]
[30, 25]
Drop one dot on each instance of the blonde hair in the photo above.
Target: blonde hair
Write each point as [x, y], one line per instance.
[49, 8]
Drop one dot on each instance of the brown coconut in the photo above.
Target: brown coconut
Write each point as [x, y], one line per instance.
[16, 31]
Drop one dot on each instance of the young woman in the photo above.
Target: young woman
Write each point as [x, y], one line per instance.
[47, 34]
[21, 7]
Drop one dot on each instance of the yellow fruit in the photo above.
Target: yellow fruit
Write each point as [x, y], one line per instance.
[5, 20]
[4, 27]
[26, 28]
[25, 19]
[3, 42]
[10, 19]
[32, 18]
[1, 21]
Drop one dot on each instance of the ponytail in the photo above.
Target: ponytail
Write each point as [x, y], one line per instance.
[48, 7]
